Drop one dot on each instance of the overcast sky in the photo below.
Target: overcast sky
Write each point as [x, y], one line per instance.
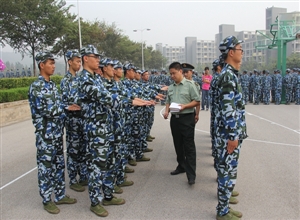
[171, 21]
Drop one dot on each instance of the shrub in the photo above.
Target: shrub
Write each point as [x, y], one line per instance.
[11, 83]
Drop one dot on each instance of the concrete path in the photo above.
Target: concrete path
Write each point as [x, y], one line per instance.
[268, 176]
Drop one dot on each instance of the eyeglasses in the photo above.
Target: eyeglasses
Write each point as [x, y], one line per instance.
[239, 49]
[96, 57]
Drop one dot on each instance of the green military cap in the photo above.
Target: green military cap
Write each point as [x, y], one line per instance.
[187, 66]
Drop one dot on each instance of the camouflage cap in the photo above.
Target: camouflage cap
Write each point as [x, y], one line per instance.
[72, 53]
[117, 64]
[228, 43]
[144, 71]
[43, 56]
[288, 70]
[129, 66]
[105, 62]
[89, 49]
[216, 63]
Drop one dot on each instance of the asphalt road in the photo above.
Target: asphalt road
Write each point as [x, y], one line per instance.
[268, 175]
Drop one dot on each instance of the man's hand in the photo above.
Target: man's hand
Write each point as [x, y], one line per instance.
[196, 118]
[166, 114]
[231, 145]
[74, 107]
[160, 96]
[165, 88]
[141, 102]
[182, 107]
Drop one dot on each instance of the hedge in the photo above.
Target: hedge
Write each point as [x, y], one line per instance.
[10, 95]
[11, 83]
[15, 89]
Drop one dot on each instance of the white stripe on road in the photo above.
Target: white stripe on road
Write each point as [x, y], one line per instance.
[11, 182]
[17, 178]
[248, 139]
[267, 142]
[274, 123]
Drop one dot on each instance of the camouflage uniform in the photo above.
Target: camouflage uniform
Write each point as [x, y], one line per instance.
[229, 125]
[245, 86]
[278, 87]
[257, 89]
[29, 72]
[17, 74]
[288, 84]
[23, 73]
[120, 148]
[213, 95]
[273, 87]
[297, 93]
[76, 146]
[94, 101]
[267, 88]
[251, 87]
[7, 74]
[48, 118]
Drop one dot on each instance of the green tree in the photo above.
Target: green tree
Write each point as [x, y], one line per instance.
[30, 26]
[293, 60]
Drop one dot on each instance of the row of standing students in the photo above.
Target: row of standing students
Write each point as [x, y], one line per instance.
[107, 124]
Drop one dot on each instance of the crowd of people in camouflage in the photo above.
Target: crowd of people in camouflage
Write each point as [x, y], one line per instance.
[107, 121]
[15, 73]
[107, 111]
[265, 87]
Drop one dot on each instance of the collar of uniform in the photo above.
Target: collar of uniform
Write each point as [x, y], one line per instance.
[71, 75]
[88, 73]
[182, 82]
[43, 79]
[228, 66]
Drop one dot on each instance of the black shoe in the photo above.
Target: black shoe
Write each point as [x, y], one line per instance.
[191, 181]
[175, 172]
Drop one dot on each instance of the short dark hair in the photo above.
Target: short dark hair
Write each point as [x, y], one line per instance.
[206, 68]
[175, 65]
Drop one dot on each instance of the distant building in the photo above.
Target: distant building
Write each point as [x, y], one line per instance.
[172, 53]
[196, 51]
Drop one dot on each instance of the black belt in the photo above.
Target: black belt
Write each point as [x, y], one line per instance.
[181, 115]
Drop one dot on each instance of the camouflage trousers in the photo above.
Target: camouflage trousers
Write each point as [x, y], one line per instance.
[121, 161]
[137, 132]
[227, 173]
[108, 172]
[51, 167]
[150, 119]
[145, 116]
[212, 135]
[257, 96]
[97, 154]
[288, 95]
[245, 94]
[277, 96]
[251, 95]
[272, 95]
[297, 96]
[266, 95]
[76, 150]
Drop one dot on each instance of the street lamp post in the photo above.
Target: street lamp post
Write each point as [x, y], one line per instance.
[79, 26]
[141, 30]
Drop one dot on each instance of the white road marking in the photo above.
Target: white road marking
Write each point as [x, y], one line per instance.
[11, 182]
[274, 123]
[248, 139]
[267, 142]
[17, 178]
